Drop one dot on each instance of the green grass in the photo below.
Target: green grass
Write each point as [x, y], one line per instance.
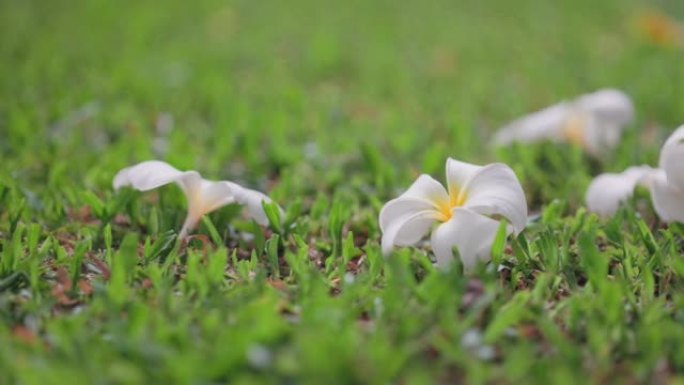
[333, 108]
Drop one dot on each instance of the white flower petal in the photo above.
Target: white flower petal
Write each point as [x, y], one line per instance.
[495, 190]
[609, 106]
[471, 233]
[668, 200]
[546, 124]
[215, 195]
[424, 194]
[459, 173]
[607, 191]
[608, 112]
[151, 174]
[252, 200]
[672, 158]
[400, 207]
[425, 187]
[408, 229]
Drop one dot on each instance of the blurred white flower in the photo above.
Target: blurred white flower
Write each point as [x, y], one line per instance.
[594, 121]
[203, 195]
[666, 184]
[468, 211]
[608, 191]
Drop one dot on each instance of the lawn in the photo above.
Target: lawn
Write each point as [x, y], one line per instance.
[332, 108]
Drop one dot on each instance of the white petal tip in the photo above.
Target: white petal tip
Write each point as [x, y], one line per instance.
[121, 179]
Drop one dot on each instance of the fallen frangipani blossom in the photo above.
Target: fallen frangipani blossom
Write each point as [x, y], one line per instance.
[666, 184]
[594, 121]
[468, 212]
[204, 196]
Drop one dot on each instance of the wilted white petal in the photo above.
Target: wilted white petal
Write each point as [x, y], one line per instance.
[252, 200]
[546, 124]
[469, 232]
[424, 194]
[408, 229]
[672, 158]
[668, 200]
[607, 191]
[610, 106]
[495, 190]
[151, 174]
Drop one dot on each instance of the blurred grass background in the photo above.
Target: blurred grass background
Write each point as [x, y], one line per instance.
[264, 84]
[314, 100]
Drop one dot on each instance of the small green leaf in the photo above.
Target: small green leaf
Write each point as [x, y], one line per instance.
[273, 214]
[272, 254]
[499, 244]
[213, 233]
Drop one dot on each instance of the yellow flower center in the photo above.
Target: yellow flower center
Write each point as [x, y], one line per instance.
[457, 198]
[573, 131]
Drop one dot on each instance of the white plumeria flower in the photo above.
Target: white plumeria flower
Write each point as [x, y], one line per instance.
[594, 121]
[467, 211]
[666, 184]
[204, 196]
